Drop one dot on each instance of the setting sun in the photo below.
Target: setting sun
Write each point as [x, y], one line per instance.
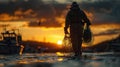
[59, 42]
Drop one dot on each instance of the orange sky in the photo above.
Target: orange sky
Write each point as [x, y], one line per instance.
[55, 34]
[51, 14]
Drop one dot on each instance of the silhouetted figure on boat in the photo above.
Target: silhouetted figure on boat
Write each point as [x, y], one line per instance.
[76, 19]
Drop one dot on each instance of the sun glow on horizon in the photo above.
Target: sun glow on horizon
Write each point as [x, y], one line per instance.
[56, 35]
[59, 42]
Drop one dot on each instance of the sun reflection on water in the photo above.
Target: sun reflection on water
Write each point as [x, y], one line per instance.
[59, 54]
[60, 59]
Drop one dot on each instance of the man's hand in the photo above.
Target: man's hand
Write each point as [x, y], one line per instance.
[66, 31]
[88, 24]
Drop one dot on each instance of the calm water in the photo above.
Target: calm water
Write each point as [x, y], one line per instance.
[107, 59]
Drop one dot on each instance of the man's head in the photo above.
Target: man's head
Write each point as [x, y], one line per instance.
[74, 5]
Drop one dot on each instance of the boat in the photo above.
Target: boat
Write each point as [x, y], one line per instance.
[10, 42]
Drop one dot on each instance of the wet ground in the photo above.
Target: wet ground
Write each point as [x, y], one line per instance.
[106, 59]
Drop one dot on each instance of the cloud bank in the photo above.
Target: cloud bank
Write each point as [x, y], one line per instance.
[52, 13]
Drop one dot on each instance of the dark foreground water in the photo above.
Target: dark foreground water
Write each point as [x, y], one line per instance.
[107, 59]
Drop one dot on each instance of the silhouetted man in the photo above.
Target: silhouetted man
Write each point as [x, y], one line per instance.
[75, 19]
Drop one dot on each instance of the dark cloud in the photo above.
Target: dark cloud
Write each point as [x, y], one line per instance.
[109, 32]
[47, 23]
[37, 9]
[103, 11]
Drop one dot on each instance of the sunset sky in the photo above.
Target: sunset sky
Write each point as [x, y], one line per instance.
[25, 15]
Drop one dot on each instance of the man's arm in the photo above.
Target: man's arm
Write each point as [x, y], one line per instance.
[85, 19]
[67, 23]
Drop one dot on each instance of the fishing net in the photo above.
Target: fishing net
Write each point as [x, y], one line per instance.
[87, 36]
[67, 45]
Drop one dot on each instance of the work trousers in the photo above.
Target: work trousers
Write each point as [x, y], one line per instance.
[76, 34]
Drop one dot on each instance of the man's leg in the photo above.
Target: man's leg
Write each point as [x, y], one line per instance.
[79, 47]
[74, 44]
[79, 38]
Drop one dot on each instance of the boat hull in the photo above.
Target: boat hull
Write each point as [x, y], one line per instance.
[5, 49]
